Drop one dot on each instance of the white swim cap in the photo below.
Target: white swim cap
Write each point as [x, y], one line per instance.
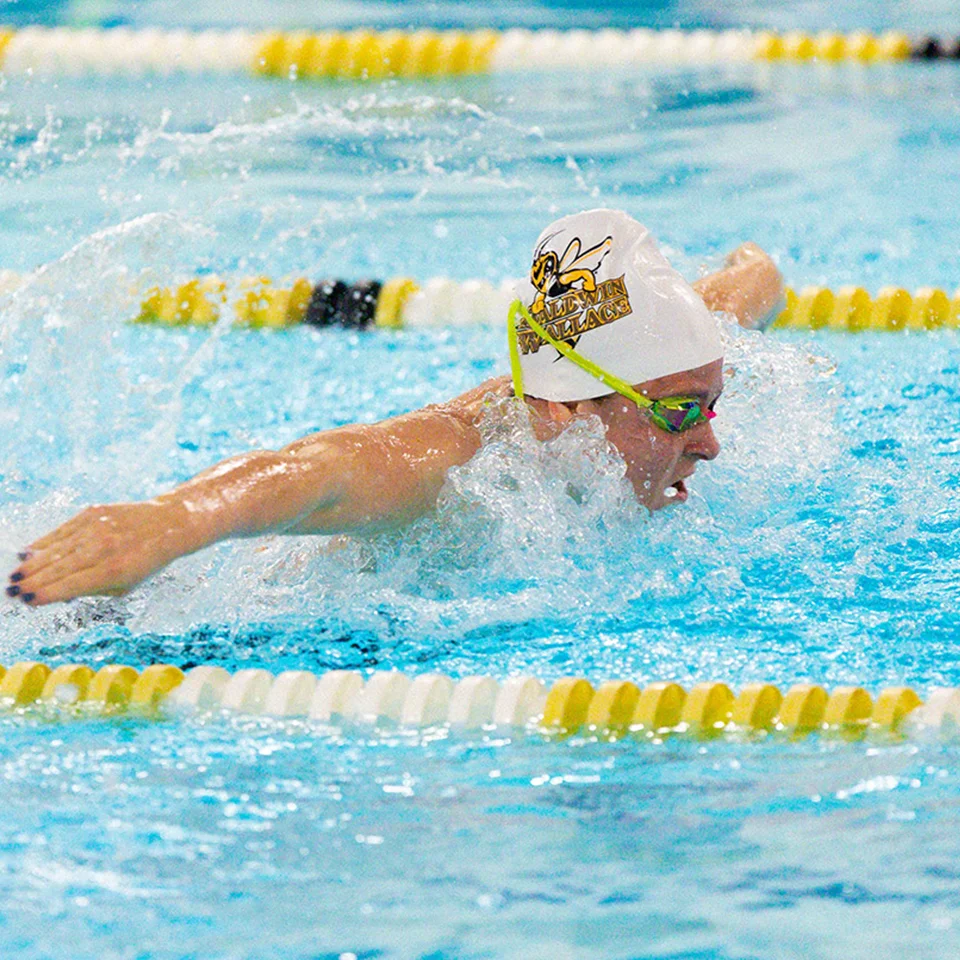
[600, 283]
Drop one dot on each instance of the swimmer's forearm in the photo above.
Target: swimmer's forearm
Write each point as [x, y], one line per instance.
[749, 287]
[252, 495]
[317, 486]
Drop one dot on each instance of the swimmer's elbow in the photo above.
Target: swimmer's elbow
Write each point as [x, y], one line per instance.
[749, 293]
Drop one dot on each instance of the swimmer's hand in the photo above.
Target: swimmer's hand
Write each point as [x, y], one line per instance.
[749, 287]
[105, 550]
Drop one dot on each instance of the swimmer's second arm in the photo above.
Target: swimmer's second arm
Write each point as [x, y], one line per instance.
[360, 479]
[749, 287]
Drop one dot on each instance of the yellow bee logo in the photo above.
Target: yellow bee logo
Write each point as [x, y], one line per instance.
[554, 276]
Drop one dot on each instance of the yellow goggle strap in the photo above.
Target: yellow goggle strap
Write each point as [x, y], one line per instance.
[515, 368]
[613, 382]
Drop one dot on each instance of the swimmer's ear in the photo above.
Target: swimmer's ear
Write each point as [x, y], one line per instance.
[559, 412]
[564, 412]
[586, 408]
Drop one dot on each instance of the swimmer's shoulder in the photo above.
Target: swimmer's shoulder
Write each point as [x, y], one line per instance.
[472, 403]
[446, 432]
[467, 409]
[454, 424]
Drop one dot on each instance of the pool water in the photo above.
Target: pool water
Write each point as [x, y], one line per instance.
[821, 546]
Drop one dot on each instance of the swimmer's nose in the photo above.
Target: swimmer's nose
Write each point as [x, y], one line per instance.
[702, 443]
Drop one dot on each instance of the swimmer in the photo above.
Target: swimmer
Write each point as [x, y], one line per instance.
[623, 337]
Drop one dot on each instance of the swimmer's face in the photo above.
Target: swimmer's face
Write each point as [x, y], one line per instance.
[659, 463]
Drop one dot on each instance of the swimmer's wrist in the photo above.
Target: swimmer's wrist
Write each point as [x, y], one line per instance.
[185, 529]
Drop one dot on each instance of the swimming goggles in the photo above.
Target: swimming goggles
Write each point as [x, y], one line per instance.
[672, 414]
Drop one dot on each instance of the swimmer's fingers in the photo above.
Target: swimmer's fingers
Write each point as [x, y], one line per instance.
[26, 579]
[36, 558]
[88, 562]
[56, 547]
[23, 579]
[33, 580]
[82, 584]
[88, 570]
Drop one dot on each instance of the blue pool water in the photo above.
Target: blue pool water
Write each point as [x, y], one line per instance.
[821, 546]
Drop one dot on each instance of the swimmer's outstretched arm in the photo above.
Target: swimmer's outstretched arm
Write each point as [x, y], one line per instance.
[357, 479]
[749, 287]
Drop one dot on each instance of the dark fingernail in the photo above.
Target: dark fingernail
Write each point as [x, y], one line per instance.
[23, 556]
[16, 576]
[27, 597]
[12, 591]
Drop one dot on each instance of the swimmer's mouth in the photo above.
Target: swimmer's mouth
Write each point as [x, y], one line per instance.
[676, 492]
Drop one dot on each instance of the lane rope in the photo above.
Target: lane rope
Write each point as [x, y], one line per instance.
[400, 302]
[852, 309]
[377, 54]
[391, 699]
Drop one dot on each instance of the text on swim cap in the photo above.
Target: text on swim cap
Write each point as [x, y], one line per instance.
[569, 316]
